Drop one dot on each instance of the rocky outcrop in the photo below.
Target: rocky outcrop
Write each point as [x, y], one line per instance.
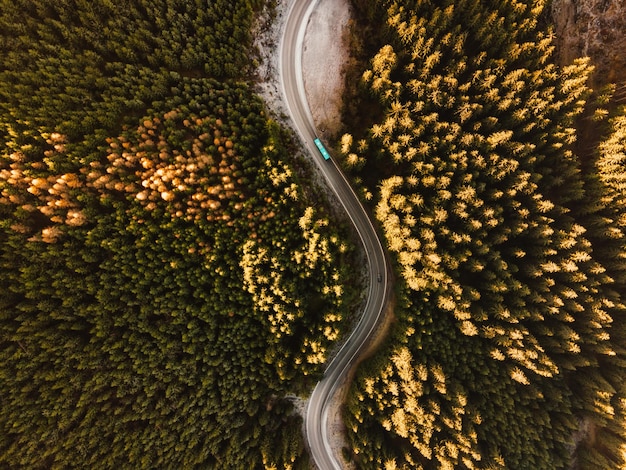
[594, 28]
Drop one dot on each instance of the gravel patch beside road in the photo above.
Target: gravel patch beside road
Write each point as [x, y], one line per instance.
[324, 59]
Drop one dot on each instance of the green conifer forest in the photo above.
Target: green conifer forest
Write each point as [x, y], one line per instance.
[507, 349]
[168, 274]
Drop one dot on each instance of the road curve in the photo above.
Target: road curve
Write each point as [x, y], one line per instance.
[290, 70]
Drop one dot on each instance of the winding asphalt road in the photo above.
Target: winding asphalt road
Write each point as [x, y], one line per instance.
[290, 69]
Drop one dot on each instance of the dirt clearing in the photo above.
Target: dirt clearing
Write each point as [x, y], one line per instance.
[324, 59]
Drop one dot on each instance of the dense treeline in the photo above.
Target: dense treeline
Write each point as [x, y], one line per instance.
[87, 63]
[508, 351]
[165, 280]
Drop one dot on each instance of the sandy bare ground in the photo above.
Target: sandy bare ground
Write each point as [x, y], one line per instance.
[324, 59]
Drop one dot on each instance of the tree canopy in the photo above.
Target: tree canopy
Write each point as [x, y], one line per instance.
[508, 349]
[166, 281]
